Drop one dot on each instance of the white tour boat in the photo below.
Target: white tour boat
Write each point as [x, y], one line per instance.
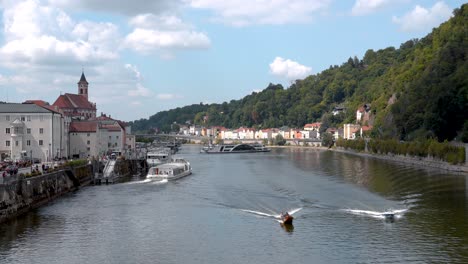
[156, 157]
[173, 170]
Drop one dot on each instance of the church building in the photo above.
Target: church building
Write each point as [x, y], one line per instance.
[77, 106]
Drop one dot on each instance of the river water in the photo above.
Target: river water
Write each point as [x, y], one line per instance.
[225, 213]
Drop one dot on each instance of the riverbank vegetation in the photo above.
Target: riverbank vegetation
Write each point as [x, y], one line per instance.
[443, 151]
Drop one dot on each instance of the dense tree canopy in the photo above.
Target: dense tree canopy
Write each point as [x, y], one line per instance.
[427, 78]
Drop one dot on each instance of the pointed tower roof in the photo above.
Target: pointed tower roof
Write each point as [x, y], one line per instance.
[83, 78]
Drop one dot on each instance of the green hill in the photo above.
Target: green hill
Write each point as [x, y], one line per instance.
[416, 91]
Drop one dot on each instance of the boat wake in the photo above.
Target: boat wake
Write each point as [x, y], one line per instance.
[159, 181]
[375, 214]
[276, 216]
[149, 181]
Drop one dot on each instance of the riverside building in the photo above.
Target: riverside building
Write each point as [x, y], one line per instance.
[29, 130]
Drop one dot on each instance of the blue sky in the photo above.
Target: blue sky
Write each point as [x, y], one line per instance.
[141, 57]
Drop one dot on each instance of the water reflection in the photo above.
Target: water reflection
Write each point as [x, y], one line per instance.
[287, 227]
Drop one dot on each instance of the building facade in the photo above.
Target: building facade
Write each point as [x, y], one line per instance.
[30, 131]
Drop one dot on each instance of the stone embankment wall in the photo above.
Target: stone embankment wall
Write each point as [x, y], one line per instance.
[24, 194]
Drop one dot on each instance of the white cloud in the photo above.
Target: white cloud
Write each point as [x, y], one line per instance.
[364, 7]
[163, 34]
[242, 13]
[147, 40]
[163, 22]
[41, 36]
[289, 69]
[124, 7]
[420, 18]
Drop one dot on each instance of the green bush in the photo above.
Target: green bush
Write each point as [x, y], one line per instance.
[76, 163]
[422, 148]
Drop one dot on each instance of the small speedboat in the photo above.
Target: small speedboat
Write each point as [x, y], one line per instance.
[389, 216]
[286, 219]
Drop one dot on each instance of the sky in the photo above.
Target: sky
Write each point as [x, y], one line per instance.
[141, 57]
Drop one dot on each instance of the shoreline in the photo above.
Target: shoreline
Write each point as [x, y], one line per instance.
[415, 161]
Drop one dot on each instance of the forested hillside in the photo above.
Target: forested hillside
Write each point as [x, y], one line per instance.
[426, 80]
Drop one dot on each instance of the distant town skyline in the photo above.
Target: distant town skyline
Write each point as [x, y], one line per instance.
[142, 57]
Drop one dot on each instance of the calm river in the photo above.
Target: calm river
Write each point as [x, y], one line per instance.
[224, 213]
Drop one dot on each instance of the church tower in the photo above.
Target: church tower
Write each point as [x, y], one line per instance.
[83, 86]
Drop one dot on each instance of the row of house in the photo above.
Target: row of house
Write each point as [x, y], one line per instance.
[67, 128]
[309, 131]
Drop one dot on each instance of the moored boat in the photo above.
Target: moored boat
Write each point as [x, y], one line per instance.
[236, 148]
[158, 156]
[177, 168]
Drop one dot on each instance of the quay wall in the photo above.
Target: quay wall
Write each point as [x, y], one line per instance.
[25, 194]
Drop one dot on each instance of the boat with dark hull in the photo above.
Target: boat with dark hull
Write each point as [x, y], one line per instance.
[236, 148]
[286, 219]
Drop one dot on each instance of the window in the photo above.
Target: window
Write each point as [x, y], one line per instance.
[89, 142]
[28, 142]
[28, 118]
[16, 143]
[7, 143]
[117, 137]
[88, 149]
[7, 118]
[88, 134]
[7, 130]
[41, 142]
[110, 137]
[108, 145]
[28, 130]
[41, 131]
[23, 118]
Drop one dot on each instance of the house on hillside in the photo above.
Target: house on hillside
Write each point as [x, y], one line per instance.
[264, 133]
[246, 133]
[363, 113]
[338, 110]
[350, 131]
[313, 126]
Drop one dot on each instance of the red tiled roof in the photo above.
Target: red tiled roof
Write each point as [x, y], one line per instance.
[366, 128]
[112, 127]
[317, 124]
[73, 101]
[83, 126]
[36, 102]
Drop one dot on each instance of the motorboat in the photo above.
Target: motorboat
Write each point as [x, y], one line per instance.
[236, 148]
[286, 219]
[159, 156]
[175, 169]
[389, 216]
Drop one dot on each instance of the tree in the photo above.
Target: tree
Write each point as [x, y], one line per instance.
[327, 140]
[464, 134]
[279, 140]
